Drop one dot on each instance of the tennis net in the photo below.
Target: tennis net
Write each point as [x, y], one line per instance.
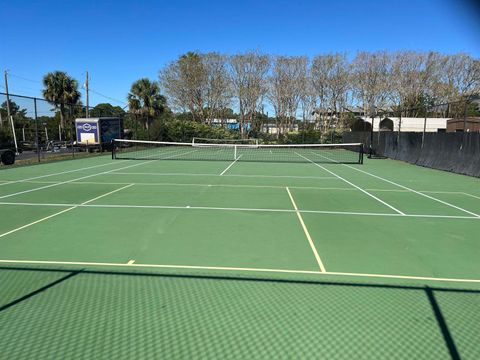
[158, 150]
[198, 140]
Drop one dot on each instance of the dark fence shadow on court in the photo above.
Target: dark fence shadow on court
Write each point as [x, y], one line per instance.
[39, 290]
[348, 289]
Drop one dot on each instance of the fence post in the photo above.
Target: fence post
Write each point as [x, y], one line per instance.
[371, 138]
[136, 127]
[464, 137]
[37, 142]
[424, 126]
[72, 130]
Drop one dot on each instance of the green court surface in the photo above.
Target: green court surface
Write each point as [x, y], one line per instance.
[177, 259]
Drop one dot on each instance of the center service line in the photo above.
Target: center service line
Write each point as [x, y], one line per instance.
[307, 234]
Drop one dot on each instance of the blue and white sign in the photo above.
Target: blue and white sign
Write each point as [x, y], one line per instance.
[87, 132]
[98, 131]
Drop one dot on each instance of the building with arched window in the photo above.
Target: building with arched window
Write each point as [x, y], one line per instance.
[404, 124]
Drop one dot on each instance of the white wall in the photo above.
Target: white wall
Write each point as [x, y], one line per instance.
[412, 124]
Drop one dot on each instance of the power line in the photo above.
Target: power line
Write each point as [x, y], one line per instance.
[21, 89]
[26, 79]
[107, 97]
[90, 89]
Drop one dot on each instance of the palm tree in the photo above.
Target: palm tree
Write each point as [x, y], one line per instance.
[60, 90]
[145, 99]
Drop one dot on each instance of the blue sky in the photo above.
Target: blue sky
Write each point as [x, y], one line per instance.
[121, 41]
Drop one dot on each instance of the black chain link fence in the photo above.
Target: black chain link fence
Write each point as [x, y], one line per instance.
[40, 130]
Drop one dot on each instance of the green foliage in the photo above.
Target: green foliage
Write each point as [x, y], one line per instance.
[145, 100]
[60, 90]
[51, 124]
[14, 110]
[332, 136]
[473, 109]
[106, 109]
[5, 136]
[307, 136]
[177, 130]
[348, 120]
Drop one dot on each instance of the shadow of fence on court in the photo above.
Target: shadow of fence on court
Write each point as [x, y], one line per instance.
[176, 313]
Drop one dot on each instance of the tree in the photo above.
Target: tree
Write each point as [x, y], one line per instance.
[217, 87]
[248, 74]
[330, 78]
[285, 89]
[60, 90]
[183, 81]
[197, 84]
[19, 115]
[106, 109]
[308, 97]
[145, 99]
[369, 79]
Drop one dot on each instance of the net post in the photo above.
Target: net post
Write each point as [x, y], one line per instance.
[360, 154]
[113, 149]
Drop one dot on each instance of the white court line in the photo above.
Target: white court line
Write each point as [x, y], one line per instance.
[239, 269]
[229, 166]
[197, 184]
[414, 191]
[307, 233]
[61, 173]
[473, 196]
[63, 211]
[231, 175]
[352, 184]
[250, 186]
[64, 182]
[86, 177]
[130, 262]
[120, 206]
[403, 187]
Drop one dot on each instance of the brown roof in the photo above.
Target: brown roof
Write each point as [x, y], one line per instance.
[468, 119]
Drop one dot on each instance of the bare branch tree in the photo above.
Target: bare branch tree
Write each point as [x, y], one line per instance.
[206, 84]
[218, 92]
[330, 79]
[184, 82]
[308, 97]
[369, 76]
[286, 86]
[248, 73]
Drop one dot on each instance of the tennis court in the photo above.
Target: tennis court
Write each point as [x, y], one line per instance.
[181, 258]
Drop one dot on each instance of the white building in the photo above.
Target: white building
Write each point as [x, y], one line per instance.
[408, 124]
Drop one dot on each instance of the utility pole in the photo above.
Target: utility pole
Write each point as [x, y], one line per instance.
[8, 97]
[8, 112]
[87, 115]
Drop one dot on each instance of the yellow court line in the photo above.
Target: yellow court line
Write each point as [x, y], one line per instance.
[307, 233]
[243, 269]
